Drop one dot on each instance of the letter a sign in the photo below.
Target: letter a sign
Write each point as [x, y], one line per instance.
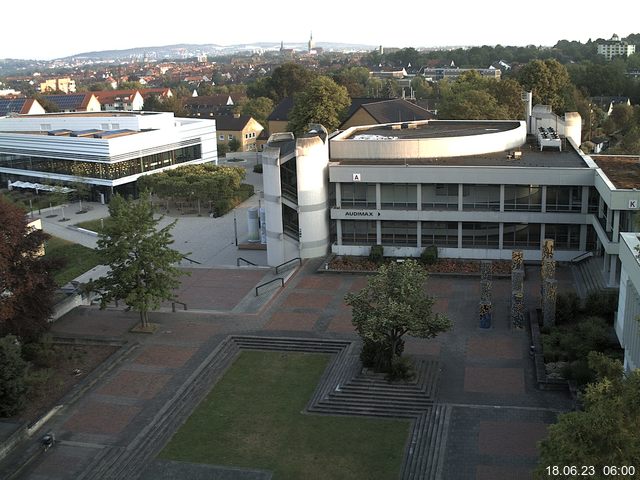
[356, 177]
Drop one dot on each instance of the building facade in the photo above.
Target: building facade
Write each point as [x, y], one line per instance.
[627, 325]
[109, 151]
[614, 47]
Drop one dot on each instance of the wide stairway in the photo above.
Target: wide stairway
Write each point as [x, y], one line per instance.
[589, 277]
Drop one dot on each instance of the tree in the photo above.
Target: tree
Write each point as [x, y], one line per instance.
[26, 283]
[323, 101]
[289, 79]
[223, 149]
[354, 79]
[606, 432]
[152, 104]
[138, 253]
[259, 108]
[234, 145]
[549, 82]
[393, 304]
[13, 371]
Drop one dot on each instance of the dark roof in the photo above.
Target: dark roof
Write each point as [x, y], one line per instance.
[281, 111]
[395, 110]
[71, 101]
[14, 105]
[357, 102]
[219, 100]
[231, 123]
[623, 171]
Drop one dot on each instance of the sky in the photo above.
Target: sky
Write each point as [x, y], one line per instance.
[46, 32]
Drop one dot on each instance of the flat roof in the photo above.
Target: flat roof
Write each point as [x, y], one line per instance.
[432, 129]
[531, 157]
[622, 170]
[105, 113]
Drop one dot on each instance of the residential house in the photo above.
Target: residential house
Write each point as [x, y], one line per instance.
[279, 118]
[372, 112]
[241, 127]
[209, 106]
[606, 104]
[75, 102]
[120, 100]
[615, 47]
[22, 106]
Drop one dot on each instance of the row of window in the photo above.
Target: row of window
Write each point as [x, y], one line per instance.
[519, 198]
[101, 170]
[474, 234]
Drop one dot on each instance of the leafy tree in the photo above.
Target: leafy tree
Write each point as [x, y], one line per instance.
[48, 105]
[390, 89]
[606, 432]
[223, 149]
[549, 82]
[323, 101]
[26, 283]
[138, 253]
[259, 108]
[234, 144]
[622, 116]
[393, 304]
[287, 80]
[421, 88]
[354, 79]
[152, 104]
[13, 371]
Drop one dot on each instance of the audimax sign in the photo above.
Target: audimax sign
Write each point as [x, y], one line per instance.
[361, 213]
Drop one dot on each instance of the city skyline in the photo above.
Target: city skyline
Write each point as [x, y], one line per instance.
[131, 25]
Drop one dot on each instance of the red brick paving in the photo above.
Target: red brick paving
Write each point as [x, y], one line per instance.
[101, 418]
[307, 300]
[417, 346]
[358, 284]
[341, 324]
[495, 347]
[321, 282]
[165, 355]
[492, 472]
[190, 331]
[494, 380]
[511, 438]
[85, 323]
[292, 321]
[135, 384]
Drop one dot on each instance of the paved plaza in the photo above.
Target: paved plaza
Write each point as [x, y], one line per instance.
[497, 414]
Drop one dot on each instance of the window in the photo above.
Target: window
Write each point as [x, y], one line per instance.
[441, 234]
[564, 199]
[231, 136]
[482, 197]
[358, 195]
[221, 137]
[522, 198]
[399, 196]
[482, 235]
[521, 235]
[440, 196]
[358, 232]
[566, 237]
[399, 233]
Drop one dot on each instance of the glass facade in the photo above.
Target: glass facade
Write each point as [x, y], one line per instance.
[399, 233]
[480, 235]
[101, 170]
[441, 234]
[521, 235]
[356, 232]
[361, 195]
[522, 198]
[566, 237]
[440, 196]
[399, 196]
[564, 199]
[481, 197]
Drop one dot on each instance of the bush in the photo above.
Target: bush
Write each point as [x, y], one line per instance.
[575, 342]
[401, 369]
[579, 371]
[13, 371]
[376, 254]
[601, 304]
[567, 308]
[257, 168]
[41, 353]
[429, 255]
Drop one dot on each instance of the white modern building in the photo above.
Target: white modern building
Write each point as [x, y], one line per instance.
[614, 47]
[108, 150]
[627, 324]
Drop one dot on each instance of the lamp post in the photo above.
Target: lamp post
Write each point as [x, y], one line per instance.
[235, 226]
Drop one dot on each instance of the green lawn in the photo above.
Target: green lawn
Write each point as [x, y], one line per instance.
[94, 225]
[253, 418]
[77, 259]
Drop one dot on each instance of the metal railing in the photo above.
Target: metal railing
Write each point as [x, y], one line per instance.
[245, 261]
[288, 262]
[184, 257]
[280, 279]
[173, 305]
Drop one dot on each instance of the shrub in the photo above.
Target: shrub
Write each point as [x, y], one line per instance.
[579, 371]
[41, 353]
[567, 308]
[13, 371]
[376, 254]
[429, 255]
[564, 343]
[401, 369]
[601, 304]
[257, 168]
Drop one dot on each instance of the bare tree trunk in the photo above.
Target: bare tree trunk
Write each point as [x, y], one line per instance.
[143, 319]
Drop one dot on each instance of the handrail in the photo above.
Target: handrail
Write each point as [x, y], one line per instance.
[582, 256]
[184, 257]
[244, 260]
[288, 261]
[173, 305]
[270, 281]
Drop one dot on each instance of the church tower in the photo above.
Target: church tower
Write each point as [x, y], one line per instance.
[311, 44]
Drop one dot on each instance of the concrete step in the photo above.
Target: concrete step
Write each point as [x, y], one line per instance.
[367, 411]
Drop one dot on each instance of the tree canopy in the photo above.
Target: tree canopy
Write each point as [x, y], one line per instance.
[549, 82]
[26, 280]
[142, 263]
[13, 369]
[322, 101]
[606, 432]
[393, 304]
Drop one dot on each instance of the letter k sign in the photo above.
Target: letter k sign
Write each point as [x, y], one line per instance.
[633, 203]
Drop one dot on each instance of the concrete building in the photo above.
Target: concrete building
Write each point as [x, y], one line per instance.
[64, 85]
[109, 151]
[120, 100]
[627, 325]
[437, 74]
[615, 47]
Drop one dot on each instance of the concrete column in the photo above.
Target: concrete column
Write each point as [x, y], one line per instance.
[600, 207]
[419, 196]
[609, 220]
[501, 233]
[544, 199]
[459, 234]
[338, 195]
[584, 208]
[339, 232]
[378, 197]
[613, 271]
[378, 231]
[419, 234]
[616, 225]
[605, 262]
[501, 203]
[460, 195]
[583, 237]
[542, 235]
